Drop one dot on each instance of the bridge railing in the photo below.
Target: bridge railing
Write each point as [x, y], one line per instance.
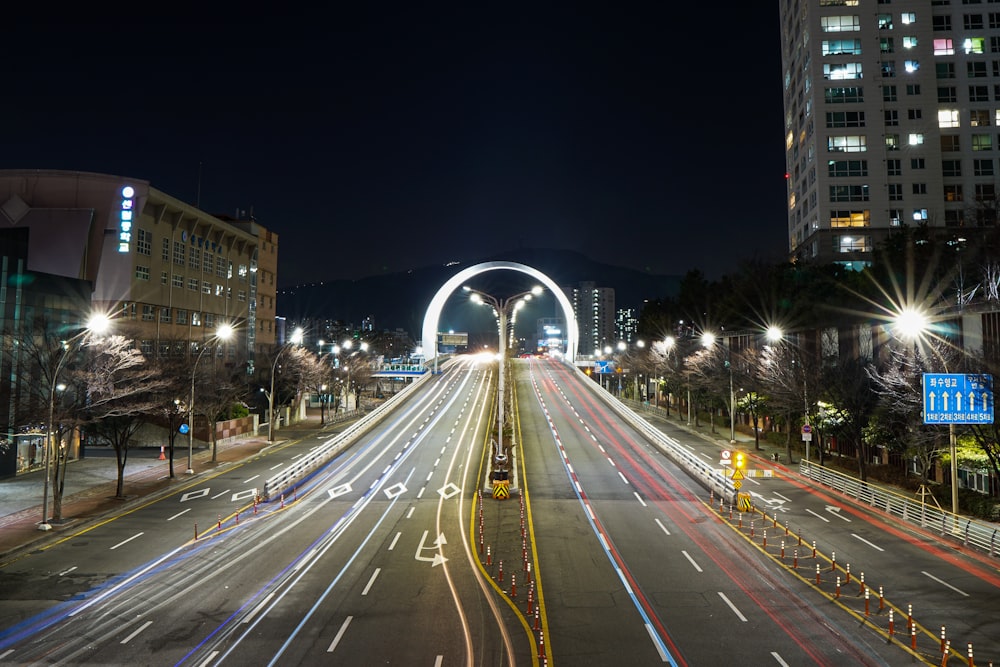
[283, 481]
[980, 535]
[708, 476]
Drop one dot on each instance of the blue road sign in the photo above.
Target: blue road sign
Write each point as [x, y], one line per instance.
[604, 366]
[958, 398]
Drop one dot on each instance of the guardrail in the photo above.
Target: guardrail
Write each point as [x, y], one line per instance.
[308, 464]
[980, 535]
[708, 476]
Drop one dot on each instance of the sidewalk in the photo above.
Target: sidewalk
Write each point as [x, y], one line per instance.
[91, 483]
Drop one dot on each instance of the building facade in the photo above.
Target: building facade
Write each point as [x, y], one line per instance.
[168, 273]
[891, 116]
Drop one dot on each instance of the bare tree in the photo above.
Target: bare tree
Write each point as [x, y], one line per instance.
[122, 389]
[223, 385]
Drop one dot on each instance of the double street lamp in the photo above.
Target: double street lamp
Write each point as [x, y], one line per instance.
[222, 334]
[501, 307]
[97, 324]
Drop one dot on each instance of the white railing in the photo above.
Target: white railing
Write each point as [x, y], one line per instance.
[306, 465]
[980, 535]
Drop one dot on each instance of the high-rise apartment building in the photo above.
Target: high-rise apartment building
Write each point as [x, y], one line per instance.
[891, 118]
[594, 308]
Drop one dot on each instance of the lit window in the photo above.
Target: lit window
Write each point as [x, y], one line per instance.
[847, 144]
[909, 42]
[840, 24]
[974, 45]
[982, 142]
[920, 214]
[911, 66]
[979, 118]
[885, 21]
[837, 71]
[915, 139]
[948, 118]
[944, 47]
[908, 18]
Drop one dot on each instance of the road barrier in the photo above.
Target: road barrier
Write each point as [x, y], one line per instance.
[311, 462]
[970, 532]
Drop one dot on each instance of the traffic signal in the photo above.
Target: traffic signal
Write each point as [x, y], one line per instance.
[739, 460]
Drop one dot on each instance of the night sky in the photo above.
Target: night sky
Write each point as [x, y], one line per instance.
[378, 140]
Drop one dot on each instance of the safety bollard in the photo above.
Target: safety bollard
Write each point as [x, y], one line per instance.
[765, 538]
[892, 626]
[943, 640]
[500, 572]
[751, 527]
[786, 528]
[282, 501]
[531, 599]
[782, 550]
[541, 645]
[944, 653]
[814, 548]
[867, 612]
[775, 525]
[537, 626]
[795, 559]
[881, 600]
[219, 527]
[833, 560]
[848, 571]
[972, 663]
[527, 574]
[909, 616]
[913, 637]
[817, 574]
[863, 589]
[836, 595]
[480, 543]
[255, 507]
[196, 531]
[513, 585]
[489, 556]
[740, 524]
[237, 518]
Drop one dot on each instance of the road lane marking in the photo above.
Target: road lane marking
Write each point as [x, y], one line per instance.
[438, 661]
[787, 500]
[664, 528]
[873, 546]
[371, 581]
[260, 606]
[733, 607]
[777, 659]
[835, 511]
[276, 466]
[137, 631]
[410, 513]
[641, 501]
[65, 572]
[247, 481]
[623, 477]
[817, 515]
[944, 583]
[392, 545]
[340, 634]
[696, 566]
[179, 513]
[659, 648]
[127, 541]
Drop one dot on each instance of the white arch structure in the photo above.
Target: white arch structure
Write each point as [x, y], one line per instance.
[433, 314]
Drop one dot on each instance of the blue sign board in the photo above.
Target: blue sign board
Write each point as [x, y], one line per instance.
[958, 398]
[605, 366]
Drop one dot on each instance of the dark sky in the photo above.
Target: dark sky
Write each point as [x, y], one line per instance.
[397, 137]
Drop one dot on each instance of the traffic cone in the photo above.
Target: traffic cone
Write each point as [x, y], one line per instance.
[162, 455]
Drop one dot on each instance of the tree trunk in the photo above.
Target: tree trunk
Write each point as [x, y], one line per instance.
[120, 458]
[58, 486]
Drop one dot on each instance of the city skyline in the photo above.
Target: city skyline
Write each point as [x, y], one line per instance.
[377, 144]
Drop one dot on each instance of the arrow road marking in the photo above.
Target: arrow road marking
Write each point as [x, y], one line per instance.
[835, 511]
[437, 559]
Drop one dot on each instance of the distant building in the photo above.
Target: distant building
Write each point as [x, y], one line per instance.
[550, 335]
[890, 117]
[627, 324]
[594, 308]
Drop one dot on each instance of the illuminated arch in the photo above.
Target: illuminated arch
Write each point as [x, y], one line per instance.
[433, 314]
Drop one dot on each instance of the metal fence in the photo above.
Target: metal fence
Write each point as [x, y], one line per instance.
[980, 535]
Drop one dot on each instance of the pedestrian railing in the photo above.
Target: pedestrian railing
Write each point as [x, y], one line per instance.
[980, 535]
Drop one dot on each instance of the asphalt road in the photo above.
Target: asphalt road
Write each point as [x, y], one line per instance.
[605, 554]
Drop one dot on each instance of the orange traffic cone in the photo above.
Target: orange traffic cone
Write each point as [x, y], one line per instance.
[162, 456]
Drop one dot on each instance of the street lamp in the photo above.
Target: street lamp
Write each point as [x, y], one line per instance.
[97, 324]
[708, 339]
[223, 333]
[500, 307]
[912, 324]
[294, 340]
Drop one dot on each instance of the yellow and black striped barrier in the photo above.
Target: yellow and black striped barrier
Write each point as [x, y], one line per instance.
[743, 502]
[501, 489]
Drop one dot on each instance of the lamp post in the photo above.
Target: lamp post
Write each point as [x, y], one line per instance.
[500, 307]
[97, 324]
[294, 340]
[708, 340]
[223, 333]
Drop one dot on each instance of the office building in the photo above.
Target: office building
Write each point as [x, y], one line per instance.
[594, 309]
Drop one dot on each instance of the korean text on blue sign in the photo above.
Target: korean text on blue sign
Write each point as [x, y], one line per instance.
[958, 398]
